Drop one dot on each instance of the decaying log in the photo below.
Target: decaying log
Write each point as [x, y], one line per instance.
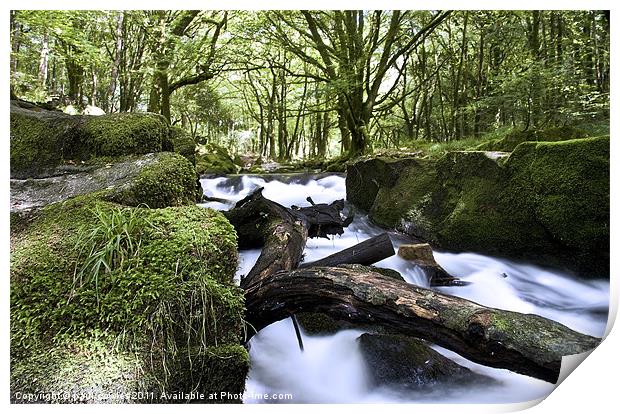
[323, 220]
[365, 253]
[523, 343]
[262, 222]
[280, 231]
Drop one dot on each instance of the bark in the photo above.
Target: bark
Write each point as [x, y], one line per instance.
[117, 61]
[527, 344]
[44, 60]
[282, 232]
[365, 253]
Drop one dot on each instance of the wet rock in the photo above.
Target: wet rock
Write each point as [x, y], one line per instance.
[421, 254]
[408, 363]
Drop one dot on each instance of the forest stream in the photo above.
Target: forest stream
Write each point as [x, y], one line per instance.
[331, 368]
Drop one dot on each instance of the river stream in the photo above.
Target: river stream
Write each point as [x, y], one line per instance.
[332, 370]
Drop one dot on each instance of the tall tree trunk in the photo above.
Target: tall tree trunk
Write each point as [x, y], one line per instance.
[43, 60]
[117, 61]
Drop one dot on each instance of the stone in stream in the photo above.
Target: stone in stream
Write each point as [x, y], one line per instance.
[403, 362]
[422, 255]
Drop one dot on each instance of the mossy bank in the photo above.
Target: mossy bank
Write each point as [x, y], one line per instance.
[546, 202]
[121, 302]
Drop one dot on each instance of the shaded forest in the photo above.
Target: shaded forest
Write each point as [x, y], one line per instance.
[296, 84]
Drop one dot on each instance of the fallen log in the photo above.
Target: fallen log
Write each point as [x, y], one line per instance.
[262, 222]
[365, 253]
[523, 343]
[322, 220]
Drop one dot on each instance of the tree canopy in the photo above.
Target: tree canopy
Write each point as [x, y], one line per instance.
[288, 84]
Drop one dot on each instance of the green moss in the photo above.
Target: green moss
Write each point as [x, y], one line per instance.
[182, 143]
[172, 299]
[214, 159]
[37, 142]
[121, 134]
[171, 181]
[566, 187]
[409, 194]
[42, 140]
[315, 323]
[548, 202]
[515, 137]
[82, 371]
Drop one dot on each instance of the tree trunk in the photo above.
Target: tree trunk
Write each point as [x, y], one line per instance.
[43, 60]
[527, 344]
[117, 61]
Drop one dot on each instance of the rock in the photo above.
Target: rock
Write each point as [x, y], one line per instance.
[402, 362]
[548, 202]
[78, 331]
[420, 253]
[214, 159]
[510, 141]
[41, 140]
[156, 180]
[365, 178]
[182, 143]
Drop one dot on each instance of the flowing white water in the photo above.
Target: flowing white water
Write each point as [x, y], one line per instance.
[331, 369]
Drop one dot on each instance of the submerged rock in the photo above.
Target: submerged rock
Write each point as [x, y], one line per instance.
[548, 202]
[402, 362]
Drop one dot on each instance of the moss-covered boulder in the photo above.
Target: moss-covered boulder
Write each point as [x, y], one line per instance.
[131, 303]
[171, 181]
[214, 159]
[513, 138]
[181, 142]
[365, 178]
[156, 180]
[41, 140]
[548, 202]
[409, 364]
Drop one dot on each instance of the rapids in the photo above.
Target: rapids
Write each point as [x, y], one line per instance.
[332, 369]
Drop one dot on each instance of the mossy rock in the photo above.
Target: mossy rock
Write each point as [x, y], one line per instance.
[42, 140]
[565, 186]
[157, 180]
[182, 143]
[547, 203]
[365, 178]
[166, 312]
[120, 134]
[171, 181]
[215, 159]
[512, 139]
